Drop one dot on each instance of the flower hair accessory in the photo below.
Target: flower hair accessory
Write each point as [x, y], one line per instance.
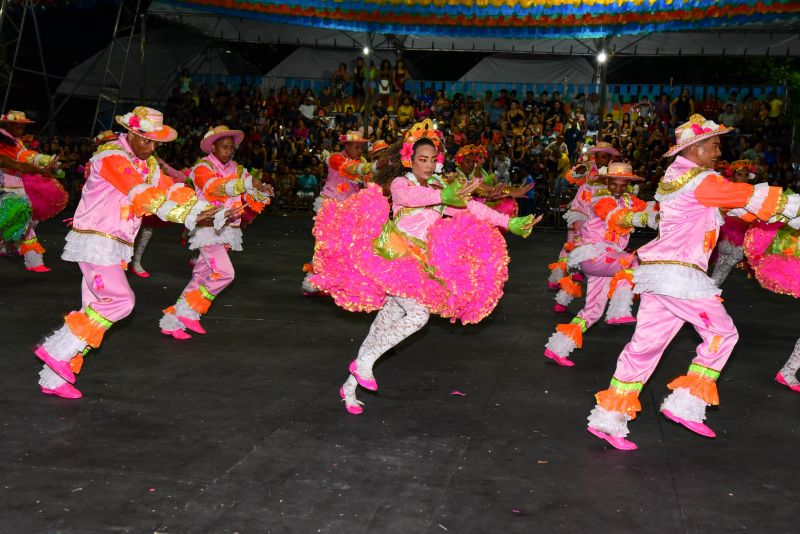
[479, 153]
[420, 130]
[740, 164]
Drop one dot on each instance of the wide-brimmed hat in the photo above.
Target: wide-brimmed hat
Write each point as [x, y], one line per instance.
[605, 147]
[106, 136]
[15, 116]
[148, 123]
[218, 132]
[377, 146]
[353, 137]
[617, 169]
[695, 130]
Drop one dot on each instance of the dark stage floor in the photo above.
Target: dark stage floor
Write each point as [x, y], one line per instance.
[242, 430]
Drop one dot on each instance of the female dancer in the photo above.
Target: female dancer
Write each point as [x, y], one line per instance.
[416, 264]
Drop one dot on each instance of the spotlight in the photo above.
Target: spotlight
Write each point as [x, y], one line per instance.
[602, 57]
[366, 50]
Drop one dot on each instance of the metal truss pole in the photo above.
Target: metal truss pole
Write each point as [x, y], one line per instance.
[114, 75]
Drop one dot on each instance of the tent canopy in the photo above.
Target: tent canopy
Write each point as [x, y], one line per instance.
[169, 51]
[517, 70]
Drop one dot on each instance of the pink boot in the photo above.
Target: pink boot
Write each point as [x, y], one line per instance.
[698, 428]
[780, 380]
[192, 324]
[177, 334]
[564, 362]
[68, 391]
[615, 441]
[371, 385]
[62, 369]
[578, 277]
[553, 285]
[560, 308]
[39, 269]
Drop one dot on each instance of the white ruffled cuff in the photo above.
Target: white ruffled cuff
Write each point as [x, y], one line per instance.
[134, 191]
[572, 216]
[191, 219]
[792, 208]
[220, 219]
[760, 193]
[795, 223]
[165, 208]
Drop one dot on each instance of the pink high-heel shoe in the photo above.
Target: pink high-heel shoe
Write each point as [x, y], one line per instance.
[782, 381]
[39, 269]
[192, 324]
[68, 391]
[371, 385]
[564, 362]
[698, 428]
[140, 274]
[177, 333]
[615, 441]
[355, 410]
[62, 369]
[621, 320]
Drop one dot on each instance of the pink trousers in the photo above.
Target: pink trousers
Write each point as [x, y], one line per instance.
[659, 319]
[599, 272]
[213, 270]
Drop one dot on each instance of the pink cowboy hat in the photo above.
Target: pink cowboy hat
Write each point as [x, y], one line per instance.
[620, 170]
[352, 137]
[15, 116]
[697, 129]
[603, 146]
[218, 132]
[148, 123]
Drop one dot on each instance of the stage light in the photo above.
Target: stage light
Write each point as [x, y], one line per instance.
[366, 50]
[602, 57]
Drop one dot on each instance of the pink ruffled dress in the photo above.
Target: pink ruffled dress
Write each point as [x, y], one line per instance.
[774, 255]
[451, 260]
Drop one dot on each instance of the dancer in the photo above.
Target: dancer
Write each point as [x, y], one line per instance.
[602, 258]
[220, 180]
[348, 171]
[415, 264]
[772, 251]
[13, 125]
[469, 162]
[585, 176]
[730, 249]
[671, 278]
[124, 183]
[499, 196]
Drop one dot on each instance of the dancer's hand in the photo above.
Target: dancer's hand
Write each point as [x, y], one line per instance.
[523, 226]
[519, 191]
[457, 194]
[51, 167]
[206, 218]
[235, 212]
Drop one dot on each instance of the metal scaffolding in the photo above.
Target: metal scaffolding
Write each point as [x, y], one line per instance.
[118, 53]
[14, 21]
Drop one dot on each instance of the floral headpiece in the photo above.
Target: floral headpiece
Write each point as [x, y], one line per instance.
[740, 164]
[420, 130]
[478, 151]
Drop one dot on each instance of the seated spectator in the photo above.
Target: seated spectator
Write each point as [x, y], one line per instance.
[405, 112]
[307, 108]
[306, 185]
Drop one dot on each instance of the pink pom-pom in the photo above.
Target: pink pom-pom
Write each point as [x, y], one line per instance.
[47, 196]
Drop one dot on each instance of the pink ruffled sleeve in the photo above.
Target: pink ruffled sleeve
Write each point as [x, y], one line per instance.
[407, 195]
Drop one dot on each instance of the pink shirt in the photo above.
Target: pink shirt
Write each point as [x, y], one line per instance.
[417, 207]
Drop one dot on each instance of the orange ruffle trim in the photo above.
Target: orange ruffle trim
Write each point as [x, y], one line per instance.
[86, 329]
[613, 401]
[570, 287]
[76, 363]
[197, 301]
[31, 247]
[557, 265]
[620, 276]
[572, 331]
[698, 386]
[148, 201]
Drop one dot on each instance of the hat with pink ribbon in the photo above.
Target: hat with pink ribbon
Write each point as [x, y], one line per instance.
[697, 129]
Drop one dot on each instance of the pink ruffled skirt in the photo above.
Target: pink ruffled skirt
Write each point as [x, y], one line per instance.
[458, 274]
[772, 250]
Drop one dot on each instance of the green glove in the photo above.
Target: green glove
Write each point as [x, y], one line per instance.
[515, 225]
[450, 196]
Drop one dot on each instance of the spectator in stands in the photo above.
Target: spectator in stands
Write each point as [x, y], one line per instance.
[728, 117]
[423, 110]
[682, 107]
[400, 77]
[625, 129]
[385, 84]
[609, 131]
[405, 113]
[502, 166]
[645, 109]
[307, 108]
[306, 185]
[340, 79]
[359, 81]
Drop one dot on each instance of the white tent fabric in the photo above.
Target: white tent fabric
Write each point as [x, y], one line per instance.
[512, 69]
[168, 51]
[307, 62]
[777, 41]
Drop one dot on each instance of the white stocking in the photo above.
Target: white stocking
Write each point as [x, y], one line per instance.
[789, 371]
[141, 244]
